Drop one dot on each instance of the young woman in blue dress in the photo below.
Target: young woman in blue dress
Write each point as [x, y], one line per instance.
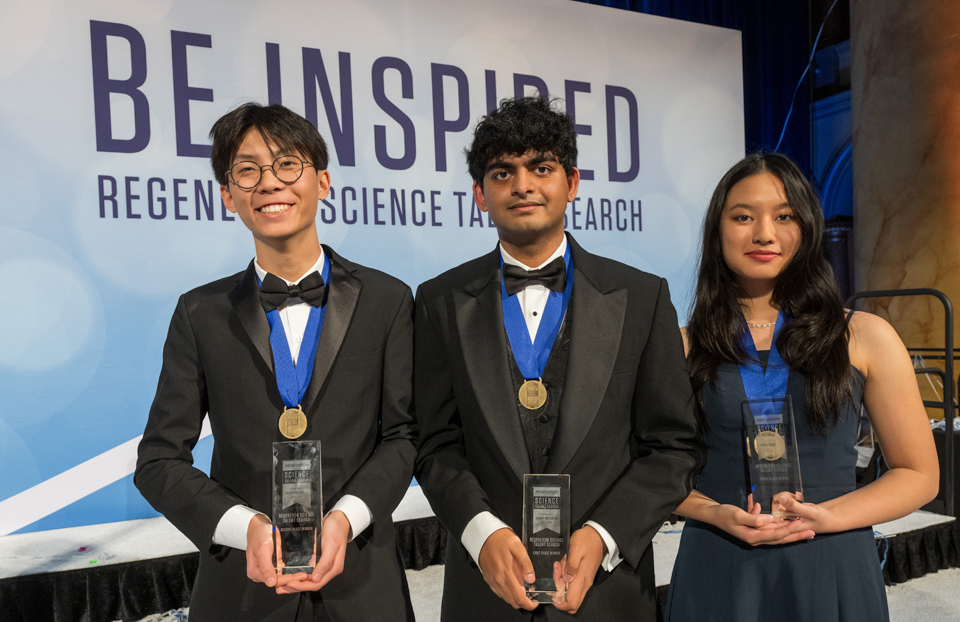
[762, 261]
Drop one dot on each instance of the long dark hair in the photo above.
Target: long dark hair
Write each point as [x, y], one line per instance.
[815, 341]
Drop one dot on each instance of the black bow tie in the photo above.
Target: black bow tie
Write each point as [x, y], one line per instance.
[552, 276]
[274, 291]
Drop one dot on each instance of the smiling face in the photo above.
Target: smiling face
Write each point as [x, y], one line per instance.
[276, 213]
[758, 230]
[526, 196]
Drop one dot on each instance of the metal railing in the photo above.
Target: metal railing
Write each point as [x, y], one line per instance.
[946, 376]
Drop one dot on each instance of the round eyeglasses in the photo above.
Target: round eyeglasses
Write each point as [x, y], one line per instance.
[287, 168]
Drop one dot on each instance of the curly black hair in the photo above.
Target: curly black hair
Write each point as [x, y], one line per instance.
[521, 125]
[285, 129]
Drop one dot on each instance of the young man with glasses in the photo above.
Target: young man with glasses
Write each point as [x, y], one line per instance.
[221, 360]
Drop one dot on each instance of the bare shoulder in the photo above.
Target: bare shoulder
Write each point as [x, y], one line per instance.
[686, 340]
[871, 330]
[873, 340]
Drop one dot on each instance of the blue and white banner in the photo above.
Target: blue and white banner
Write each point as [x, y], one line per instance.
[112, 209]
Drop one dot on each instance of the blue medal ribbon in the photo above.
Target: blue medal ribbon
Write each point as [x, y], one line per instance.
[292, 380]
[532, 356]
[757, 381]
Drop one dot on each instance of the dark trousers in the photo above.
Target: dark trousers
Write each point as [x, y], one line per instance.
[311, 609]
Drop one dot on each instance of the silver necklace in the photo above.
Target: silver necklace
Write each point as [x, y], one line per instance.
[761, 325]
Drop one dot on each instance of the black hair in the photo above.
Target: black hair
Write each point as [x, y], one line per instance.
[815, 341]
[521, 125]
[291, 133]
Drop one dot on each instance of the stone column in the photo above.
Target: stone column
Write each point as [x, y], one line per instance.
[906, 153]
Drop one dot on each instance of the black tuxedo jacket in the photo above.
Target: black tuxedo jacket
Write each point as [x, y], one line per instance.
[217, 361]
[626, 433]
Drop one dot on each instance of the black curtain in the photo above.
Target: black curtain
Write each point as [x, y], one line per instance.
[775, 36]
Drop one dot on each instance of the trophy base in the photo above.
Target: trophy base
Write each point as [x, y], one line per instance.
[295, 569]
[538, 592]
[547, 598]
[777, 506]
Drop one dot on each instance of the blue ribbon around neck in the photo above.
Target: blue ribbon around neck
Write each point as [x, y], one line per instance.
[759, 382]
[292, 380]
[532, 356]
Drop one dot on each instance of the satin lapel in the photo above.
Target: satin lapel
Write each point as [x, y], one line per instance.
[484, 342]
[245, 298]
[597, 320]
[341, 302]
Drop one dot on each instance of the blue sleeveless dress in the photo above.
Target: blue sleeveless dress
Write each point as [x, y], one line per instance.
[833, 577]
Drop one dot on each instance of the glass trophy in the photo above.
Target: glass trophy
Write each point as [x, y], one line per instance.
[297, 506]
[546, 534]
[772, 456]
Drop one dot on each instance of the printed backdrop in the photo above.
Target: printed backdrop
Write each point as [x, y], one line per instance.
[112, 210]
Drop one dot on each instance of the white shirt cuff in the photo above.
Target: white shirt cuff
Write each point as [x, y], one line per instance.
[232, 529]
[612, 558]
[357, 512]
[477, 531]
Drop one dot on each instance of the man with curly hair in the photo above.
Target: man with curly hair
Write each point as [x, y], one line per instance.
[611, 403]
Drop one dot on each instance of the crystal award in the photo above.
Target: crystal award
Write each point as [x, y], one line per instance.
[297, 506]
[546, 534]
[772, 456]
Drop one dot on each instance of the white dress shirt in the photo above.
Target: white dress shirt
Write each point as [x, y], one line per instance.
[533, 300]
[232, 528]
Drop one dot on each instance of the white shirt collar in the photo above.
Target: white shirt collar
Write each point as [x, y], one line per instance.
[317, 267]
[557, 253]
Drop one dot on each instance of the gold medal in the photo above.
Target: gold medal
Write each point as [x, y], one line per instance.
[770, 445]
[532, 394]
[293, 423]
